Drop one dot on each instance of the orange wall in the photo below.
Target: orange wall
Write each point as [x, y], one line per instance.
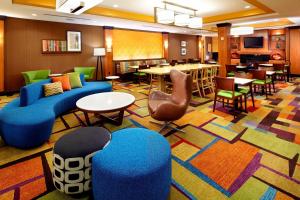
[128, 45]
[1, 55]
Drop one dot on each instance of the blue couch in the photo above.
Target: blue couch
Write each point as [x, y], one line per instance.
[27, 122]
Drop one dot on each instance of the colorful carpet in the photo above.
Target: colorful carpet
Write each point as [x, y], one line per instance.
[219, 157]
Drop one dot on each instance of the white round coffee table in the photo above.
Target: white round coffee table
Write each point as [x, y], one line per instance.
[106, 102]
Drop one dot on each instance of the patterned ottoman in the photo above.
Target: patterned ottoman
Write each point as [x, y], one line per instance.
[72, 156]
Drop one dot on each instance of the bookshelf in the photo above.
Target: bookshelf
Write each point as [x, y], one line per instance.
[50, 46]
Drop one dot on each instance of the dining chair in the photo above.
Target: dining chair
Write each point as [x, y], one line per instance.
[213, 73]
[280, 71]
[246, 90]
[205, 82]
[225, 90]
[261, 81]
[195, 81]
[141, 75]
[230, 70]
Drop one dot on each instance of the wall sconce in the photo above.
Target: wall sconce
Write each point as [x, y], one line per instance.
[108, 44]
[166, 44]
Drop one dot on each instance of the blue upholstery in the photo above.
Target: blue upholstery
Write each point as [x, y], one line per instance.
[27, 121]
[135, 165]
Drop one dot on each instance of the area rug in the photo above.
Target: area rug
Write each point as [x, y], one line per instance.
[218, 156]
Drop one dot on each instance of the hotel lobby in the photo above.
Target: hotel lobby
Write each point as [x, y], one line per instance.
[149, 99]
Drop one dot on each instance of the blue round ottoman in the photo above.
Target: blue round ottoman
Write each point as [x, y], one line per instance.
[135, 165]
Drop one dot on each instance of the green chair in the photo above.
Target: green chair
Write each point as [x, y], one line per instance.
[88, 72]
[36, 76]
[261, 81]
[141, 75]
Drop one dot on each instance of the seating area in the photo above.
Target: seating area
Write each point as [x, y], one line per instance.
[149, 100]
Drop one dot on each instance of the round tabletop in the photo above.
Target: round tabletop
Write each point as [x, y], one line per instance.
[105, 102]
[112, 77]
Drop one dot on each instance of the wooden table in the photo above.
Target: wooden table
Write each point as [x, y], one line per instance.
[162, 71]
[105, 102]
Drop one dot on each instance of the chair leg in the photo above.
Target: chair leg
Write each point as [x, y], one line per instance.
[223, 101]
[215, 102]
[273, 83]
[167, 125]
[266, 90]
[241, 102]
[245, 98]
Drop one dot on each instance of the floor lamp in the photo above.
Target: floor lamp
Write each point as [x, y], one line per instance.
[99, 52]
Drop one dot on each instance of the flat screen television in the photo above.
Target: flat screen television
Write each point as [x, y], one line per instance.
[253, 42]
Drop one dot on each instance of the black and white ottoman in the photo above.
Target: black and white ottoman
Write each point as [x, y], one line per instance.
[72, 157]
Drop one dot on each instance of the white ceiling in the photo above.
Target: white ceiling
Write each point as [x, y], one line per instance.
[283, 9]
[204, 7]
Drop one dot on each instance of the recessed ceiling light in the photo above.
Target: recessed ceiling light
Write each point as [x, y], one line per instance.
[33, 14]
[115, 5]
[247, 7]
[275, 20]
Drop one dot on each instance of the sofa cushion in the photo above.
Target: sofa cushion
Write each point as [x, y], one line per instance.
[65, 81]
[75, 80]
[51, 89]
[32, 92]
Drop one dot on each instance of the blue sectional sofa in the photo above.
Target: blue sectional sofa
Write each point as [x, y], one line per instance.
[27, 122]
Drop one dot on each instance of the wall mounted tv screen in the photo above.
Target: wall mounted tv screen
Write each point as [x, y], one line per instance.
[253, 42]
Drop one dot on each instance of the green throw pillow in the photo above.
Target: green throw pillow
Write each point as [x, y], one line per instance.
[75, 80]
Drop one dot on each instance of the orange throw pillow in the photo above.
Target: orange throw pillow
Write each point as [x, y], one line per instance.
[65, 81]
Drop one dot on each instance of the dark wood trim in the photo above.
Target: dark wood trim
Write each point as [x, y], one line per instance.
[223, 25]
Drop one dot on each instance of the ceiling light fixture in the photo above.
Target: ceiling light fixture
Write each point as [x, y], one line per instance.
[33, 14]
[245, 30]
[115, 5]
[247, 7]
[195, 22]
[182, 20]
[166, 16]
[75, 6]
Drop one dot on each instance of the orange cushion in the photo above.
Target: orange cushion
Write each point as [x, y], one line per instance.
[65, 81]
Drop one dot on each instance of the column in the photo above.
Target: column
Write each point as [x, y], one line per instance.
[165, 39]
[1, 54]
[108, 44]
[224, 46]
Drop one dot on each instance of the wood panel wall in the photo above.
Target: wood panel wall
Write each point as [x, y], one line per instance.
[295, 50]
[258, 33]
[175, 46]
[23, 43]
[1, 55]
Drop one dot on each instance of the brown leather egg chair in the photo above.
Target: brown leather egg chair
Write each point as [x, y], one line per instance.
[170, 107]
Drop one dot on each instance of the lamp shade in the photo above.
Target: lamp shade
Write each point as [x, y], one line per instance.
[164, 16]
[182, 19]
[196, 22]
[241, 31]
[99, 51]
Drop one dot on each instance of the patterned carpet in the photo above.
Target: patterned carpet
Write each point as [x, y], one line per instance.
[218, 157]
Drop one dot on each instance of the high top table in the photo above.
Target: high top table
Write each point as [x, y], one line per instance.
[162, 71]
[105, 102]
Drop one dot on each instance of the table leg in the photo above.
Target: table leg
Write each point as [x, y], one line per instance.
[251, 92]
[161, 83]
[116, 120]
[87, 119]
